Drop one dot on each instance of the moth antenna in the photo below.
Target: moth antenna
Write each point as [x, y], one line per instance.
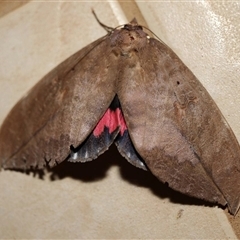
[155, 35]
[110, 29]
[107, 28]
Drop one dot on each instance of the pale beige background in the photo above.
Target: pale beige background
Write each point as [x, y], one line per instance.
[108, 198]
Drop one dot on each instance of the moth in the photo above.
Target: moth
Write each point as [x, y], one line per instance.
[133, 90]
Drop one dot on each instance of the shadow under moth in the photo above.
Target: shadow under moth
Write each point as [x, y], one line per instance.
[133, 90]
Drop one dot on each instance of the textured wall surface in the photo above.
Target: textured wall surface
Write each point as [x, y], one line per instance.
[108, 198]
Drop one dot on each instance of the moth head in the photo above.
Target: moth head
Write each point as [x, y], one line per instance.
[129, 38]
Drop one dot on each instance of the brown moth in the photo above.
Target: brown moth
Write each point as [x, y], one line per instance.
[133, 90]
